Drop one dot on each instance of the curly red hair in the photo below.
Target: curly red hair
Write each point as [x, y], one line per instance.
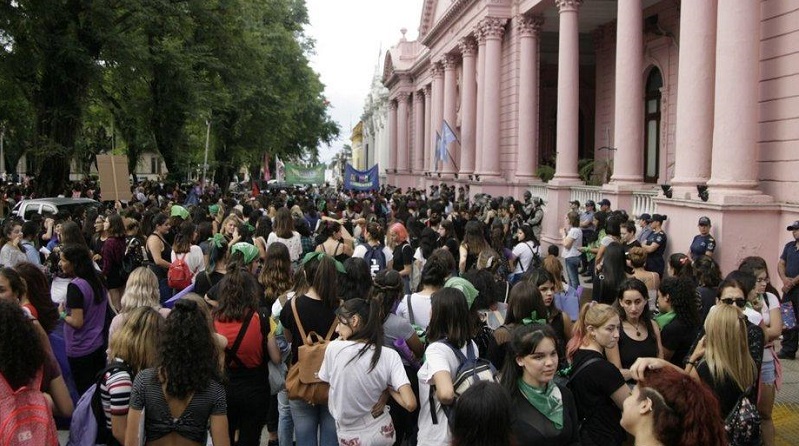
[684, 411]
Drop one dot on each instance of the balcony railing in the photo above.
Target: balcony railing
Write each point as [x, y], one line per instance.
[585, 193]
[643, 202]
[539, 190]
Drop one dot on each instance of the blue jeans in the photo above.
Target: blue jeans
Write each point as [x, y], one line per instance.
[285, 424]
[572, 266]
[313, 424]
[163, 290]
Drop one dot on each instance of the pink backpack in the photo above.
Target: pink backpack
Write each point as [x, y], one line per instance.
[25, 417]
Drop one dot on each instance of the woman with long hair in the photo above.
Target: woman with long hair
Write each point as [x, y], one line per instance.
[22, 360]
[159, 253]
[558, 320]
[182, 393]
[275, 275]
[680, 265]
[416, 307]
[13, 290]
[237, 316]
[707, 276]
[359, 370]
[472, 244]
[112, 255]
[283, 232]
[84, 314]
[637, 257]
[765, 302]
[397, 240]
[611, 274]
[36, 298]
[639, 335]
[315, 310]
[484, 416]
[12, 252]
[229, 228]
[132, 349]
[141, 290]
[263, 228]
[668, 408]
[242, 261]
[542, 412]
[678, 319]
[450, 328]
[398, 334]
[722, 359]
[524, 301]
[335, 240]
[597, 384]
[185, 248]
[447, 238]
[525, 252]
[216, 268]
[356, 282]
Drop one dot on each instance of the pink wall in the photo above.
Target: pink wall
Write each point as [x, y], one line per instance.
[779, 99]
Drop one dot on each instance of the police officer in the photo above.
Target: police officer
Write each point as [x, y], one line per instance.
[703, 244]
[529, 207]
[643, 222]
[536, 218]
[655, 245]
[788, 269]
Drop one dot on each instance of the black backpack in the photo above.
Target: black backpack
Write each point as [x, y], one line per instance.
[375, 258]
[471, 370]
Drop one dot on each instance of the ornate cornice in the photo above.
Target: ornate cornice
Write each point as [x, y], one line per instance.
[529, 26]
[568, 5]
[492, 28]
[468, 46]
[436, 70]
[456, 9]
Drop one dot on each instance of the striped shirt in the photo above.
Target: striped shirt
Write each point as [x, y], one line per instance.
[115, 393]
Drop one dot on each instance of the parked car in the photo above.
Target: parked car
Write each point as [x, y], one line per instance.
[48, 207]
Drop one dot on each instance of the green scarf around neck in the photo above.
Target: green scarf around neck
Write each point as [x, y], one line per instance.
[665, 318]
[548, 401]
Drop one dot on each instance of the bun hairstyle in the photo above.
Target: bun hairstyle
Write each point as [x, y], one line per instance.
[376, 232]
[659, 218]
[387, 290]
[637, 256]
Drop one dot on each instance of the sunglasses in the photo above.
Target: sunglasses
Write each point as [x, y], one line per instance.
[740, 303]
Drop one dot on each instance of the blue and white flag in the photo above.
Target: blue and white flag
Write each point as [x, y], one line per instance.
[436, 150]
[447, 137]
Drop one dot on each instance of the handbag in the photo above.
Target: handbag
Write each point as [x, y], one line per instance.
[302, 381]
[788, 315]
[743, 422]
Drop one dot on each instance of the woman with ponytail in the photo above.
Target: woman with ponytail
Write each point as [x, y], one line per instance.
[597, 384]
[416, 307]
[359, 371]
[315, 310]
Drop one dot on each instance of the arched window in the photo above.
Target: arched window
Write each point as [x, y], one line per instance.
[654, 83]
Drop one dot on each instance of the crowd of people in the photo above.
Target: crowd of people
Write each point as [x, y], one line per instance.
[388, 318]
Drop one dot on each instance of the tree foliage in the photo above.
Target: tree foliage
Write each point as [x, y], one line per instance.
[156, 71]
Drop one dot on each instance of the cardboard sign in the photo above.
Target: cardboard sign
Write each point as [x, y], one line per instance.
[114, 182]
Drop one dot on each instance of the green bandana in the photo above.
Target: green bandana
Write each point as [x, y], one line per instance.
[320, 255]
[179, 211]
[465, 287]
[213, 209]
[548, 401]
[250, 251]
[217, 240]
[534, 318]
[665, 318]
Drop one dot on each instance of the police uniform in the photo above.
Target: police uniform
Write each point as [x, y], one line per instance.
[655, 261]
[701, 245]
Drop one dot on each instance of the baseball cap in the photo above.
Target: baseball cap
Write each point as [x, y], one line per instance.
[645, 217]
[590, 203]
[604, 202]
[794, 226]
[577, 202]
[704, 221]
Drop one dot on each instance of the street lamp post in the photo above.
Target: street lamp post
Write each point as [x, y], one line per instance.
[207, 140]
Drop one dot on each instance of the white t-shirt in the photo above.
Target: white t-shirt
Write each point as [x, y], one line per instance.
[523, 252]
[422, 307]
[194, 259]
[765, 316]
[294, 244]
[577, 235]
[438, 357]
[354, 390]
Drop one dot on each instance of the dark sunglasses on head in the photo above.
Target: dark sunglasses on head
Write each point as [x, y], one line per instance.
[738, 302]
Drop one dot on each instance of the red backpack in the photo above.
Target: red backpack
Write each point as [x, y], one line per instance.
[25, 417]
[179, 275]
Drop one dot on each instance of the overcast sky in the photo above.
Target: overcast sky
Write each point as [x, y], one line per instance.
[349, 35]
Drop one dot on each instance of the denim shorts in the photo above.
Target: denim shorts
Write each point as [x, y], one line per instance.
[768, 373]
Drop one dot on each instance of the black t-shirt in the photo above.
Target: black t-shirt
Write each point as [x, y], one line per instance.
[726, 391]
[314, 316]
[531, 427]
[631, 349]
[677, 336]
[75, 297]
[403, 255]
[205, 282]
[592, 389]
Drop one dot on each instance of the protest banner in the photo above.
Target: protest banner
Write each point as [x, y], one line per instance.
[304, 175]
[361, 180]
[114, 182]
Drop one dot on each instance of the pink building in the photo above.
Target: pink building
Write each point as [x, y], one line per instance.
[708, 96]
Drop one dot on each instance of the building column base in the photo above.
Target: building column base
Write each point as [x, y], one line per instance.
[557, 206]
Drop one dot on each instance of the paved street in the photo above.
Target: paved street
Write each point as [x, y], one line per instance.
[786, 409]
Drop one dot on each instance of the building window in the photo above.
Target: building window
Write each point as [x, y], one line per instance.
[654, 83]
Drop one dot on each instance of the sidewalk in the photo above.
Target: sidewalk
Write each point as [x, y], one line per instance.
[786, 407]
